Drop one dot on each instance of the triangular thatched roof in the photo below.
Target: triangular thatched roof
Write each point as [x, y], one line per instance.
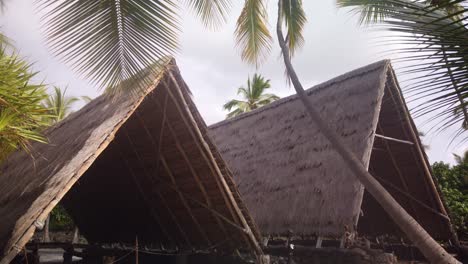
[132, 166]
[292, 180]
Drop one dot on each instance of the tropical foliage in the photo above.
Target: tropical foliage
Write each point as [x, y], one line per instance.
[453, 182]
[110, 41]
[59, 105]
[253, 95]
[433, 43]
[254, 37]
[113, 40]
[426, 244]
[60, 220]
[21, 111]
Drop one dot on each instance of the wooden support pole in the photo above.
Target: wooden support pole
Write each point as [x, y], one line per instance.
[184, 202]
[394, 139]
[153, 178]
[418, 152]
[397, 168]
[207, 159]
[199, 136]
[213, 211]
[195, 175]
[136, 250]
[161, 131]
[155, 215]
[423, 205]
[25, 255]
[398, 100]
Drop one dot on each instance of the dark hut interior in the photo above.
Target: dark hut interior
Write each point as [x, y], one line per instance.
[403, 169]
[143, 171]
[147, 167]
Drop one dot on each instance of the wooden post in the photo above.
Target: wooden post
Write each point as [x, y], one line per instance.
[76, 235]
[290, 247]
[36, 257]
[136, 250]
[319, 242]
[46, 237]
[189, 120]
[184, 201]
[25, 255]
[152, 179]
[68, 255]
[440, 201]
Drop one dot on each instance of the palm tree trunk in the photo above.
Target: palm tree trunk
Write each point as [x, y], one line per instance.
[421, 239]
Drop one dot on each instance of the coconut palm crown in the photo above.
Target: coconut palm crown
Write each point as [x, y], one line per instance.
[432, 40]
[253, 95]
[112, 40]
[59, 105]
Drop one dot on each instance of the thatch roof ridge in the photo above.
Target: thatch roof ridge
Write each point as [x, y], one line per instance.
[87, 107]
[274, 150]
[103, 145]
[27, 223]
[314, 89]
[145, 85]
[292, 179]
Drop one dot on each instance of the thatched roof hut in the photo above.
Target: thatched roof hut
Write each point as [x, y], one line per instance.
[292, 180]
[126, 167]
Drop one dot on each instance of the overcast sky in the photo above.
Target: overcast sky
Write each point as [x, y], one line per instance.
[211, 65]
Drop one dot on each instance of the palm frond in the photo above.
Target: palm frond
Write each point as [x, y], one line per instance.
[239, 107]
[233, 103]
[258, 86]
[86, 98]
[266, 101]
[252, 34]
[110, 41]
[434, 45]
[254, 96]
[369, 11]
[268, 97]
[235, 113]
[59, 105]
[212, 13]
[2, 5]
[461, 159]
[21, 109]
[294, 18]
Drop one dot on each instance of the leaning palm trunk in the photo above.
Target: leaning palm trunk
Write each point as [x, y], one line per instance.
[421, 239]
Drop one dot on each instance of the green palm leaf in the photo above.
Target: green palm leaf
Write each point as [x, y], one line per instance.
[110, 41]
[433, 40]
[21, 109]
[212, 13]
[59, 105]
[86, 99]
[252, 34]
[294, 18]
[254, 96]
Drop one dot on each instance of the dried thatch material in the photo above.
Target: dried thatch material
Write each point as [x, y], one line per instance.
[127, 167]
[292, 180]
